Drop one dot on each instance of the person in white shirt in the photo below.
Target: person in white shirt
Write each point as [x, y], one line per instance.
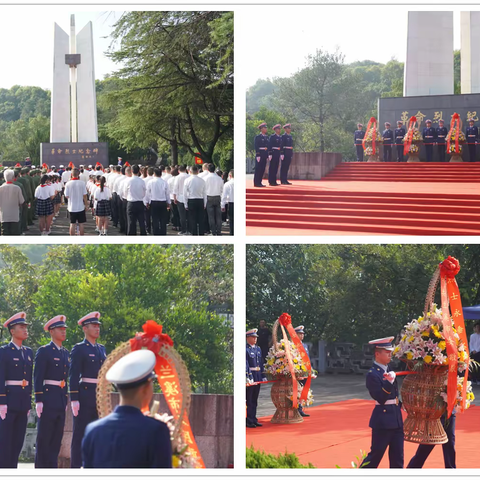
[173, 205]
[112, 180]
[195, 197]
[205, 170]
[76, 194]
[475, 352]
[147, 178]
[121, 201]
[179, 199]
[135, 193]
[228, 199]
[66, 175]
[167, 174]
[11, 199]
[58, 186]
[103, 210]
[214, 189]
[44, 194]
[158, 202]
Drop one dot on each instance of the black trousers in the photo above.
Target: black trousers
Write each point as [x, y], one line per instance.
[284, 168]
[196, 216]
[381, 439]
[148, 219]
[214, 214]
[182, 213]
[472, 152]
[114, 204]
[230, 217]
[135, 212]
[400, 157]
[12, 435]
[423, 451]
[175, 216]
[273, 168]
[85, 416]
[441, 153]
[159, 214]
[260, 169]
[429, 152]
[252, 401]
[49, 438]
[387, 153]
[11, 228]
[121, 214]
[359, 149]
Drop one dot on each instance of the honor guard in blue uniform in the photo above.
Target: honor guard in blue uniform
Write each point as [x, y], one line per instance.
[399, 136]
[386, 421]
[254, 372]
[52, 363]
[449, 456]
[429, 138]
[286, 155]
[358, 136]
[16, 366]
[442, 133]
[87, 357]
[387, 143]
[261, 155]
[472, 136]
[127, 438]
[274, 152]
[301, 335]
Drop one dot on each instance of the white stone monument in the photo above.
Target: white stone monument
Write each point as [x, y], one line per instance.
[470, 53]
[74, 103]
[429, 61]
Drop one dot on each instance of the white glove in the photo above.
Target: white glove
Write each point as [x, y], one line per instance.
[264, 379]
[75, 407]
[282, 157]
[269, 157]
[390, 376]
[3, 411]
[250, 381]
[258, 159]
[39, 409]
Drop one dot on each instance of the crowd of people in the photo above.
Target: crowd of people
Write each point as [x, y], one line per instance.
[193, 201]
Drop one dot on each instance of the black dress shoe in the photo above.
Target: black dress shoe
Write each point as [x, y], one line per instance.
[258, 424]
[251, 425]
[274, 184]
[303, 414]
[260, 185]
[287, 183]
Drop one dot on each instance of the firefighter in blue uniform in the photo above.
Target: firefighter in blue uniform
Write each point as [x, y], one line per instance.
[472, 136]
[87, 357]
[286, 155]
[387, 143]
[254, 372]
[441, 140]
[357, 140]
[386, 421]
[274, 152]
[16, 365]
[301, 335]
[127, 438]
[429, 138]
[52, 363]
[261, 155]
[399, 136]
[423, 451]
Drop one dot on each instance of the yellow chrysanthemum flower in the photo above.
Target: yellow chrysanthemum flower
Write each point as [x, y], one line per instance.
[404, 338]
[442, 345]
[409, 355]
[175, 461]
[411, 339]
[428, 359]
[426, 333]
[437, 334]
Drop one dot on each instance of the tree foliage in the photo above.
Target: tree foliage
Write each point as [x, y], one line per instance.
[346, 292]
[129, 284]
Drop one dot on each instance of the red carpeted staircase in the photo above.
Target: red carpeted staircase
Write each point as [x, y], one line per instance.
[374, 198]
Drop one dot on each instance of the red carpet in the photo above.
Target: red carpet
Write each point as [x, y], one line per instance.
[335, 433]
[372, 199]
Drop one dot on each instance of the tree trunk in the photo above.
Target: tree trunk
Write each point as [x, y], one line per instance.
[174, 151]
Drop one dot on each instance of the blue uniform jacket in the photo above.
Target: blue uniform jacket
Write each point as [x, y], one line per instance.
[51, 364]
[381, 390]
[305, 346]
[274, 144]
[441, 135]
[358, 137]
[254, 360]
[387, 137]
[287, 141]
[399, 136]
[261, 145]
[429, 135]
[14, 366]
[127, 439]
[86, 361]
[472, 134]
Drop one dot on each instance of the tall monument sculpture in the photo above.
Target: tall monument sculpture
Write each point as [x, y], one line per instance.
[429, 61]
[74, 104]
[470, 56]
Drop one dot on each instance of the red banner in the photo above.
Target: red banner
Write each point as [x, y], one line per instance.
[372, 124]
[455, 120]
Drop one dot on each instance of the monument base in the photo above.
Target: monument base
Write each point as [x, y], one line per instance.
[79, 153]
